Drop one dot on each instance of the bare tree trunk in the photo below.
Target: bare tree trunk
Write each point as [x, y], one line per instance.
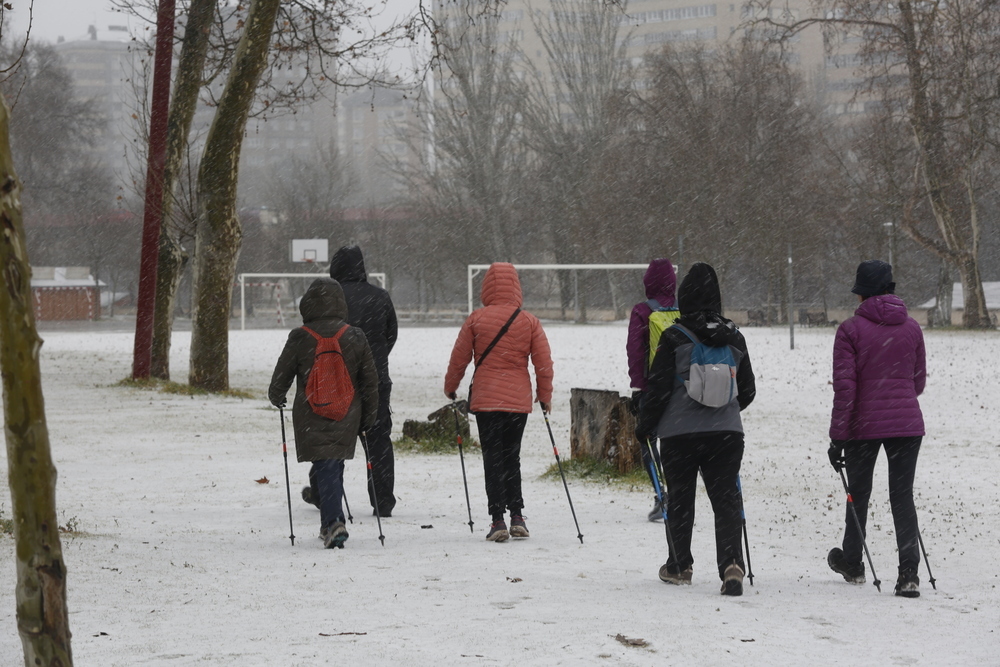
[183, 105]
[942, 306]
[42, 618]
[218, 238]
[169, 270]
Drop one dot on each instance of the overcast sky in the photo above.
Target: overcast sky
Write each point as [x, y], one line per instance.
[69, 18]
[64, 18]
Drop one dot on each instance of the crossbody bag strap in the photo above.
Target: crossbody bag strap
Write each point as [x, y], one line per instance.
[503, 330]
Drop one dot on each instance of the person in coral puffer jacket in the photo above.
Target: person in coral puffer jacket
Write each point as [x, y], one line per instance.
[501, 396]
[878, 373]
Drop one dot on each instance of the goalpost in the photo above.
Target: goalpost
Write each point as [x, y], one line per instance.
[274, 280]
[475, 269]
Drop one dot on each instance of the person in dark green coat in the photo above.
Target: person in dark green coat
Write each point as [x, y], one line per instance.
[324, 442]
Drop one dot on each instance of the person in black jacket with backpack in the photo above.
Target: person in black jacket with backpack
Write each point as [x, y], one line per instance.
[370, 309]
[699, 425]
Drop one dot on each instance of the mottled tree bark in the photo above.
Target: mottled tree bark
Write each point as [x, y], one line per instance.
[218, 238]
[42, 619]
[183, 104]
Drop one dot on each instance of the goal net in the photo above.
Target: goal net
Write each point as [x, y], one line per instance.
[271, 300]
[572, 292]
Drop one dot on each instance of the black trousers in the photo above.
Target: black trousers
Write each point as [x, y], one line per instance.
[860, 456]
[500, 436]
[718, 456]
[380, 451]
[381, 476]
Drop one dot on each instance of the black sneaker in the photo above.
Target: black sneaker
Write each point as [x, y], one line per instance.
[656, 514]
[307, 495]
[732, 580]
[853, 573]
[517, 526]
[498, 532]
[908, 584]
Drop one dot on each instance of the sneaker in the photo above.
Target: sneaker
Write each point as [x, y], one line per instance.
[307, 495]
[732, 580]
[656, 514]
[853, 573]
[517, 527]
[335, 536]
[908, 584]
[676, 578]
[498, 532]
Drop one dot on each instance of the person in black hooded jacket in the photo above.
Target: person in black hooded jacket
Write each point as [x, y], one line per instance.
[370, 309]
[696, 437]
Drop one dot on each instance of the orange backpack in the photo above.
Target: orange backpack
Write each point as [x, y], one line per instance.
[329, 389]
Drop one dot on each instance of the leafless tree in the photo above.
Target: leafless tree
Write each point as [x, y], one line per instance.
[40, 594]
[570, 121]
[935, 65]
[732, 141]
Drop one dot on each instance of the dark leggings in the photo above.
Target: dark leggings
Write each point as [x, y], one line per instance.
[500, 436]
[718, 456]
[902, 455]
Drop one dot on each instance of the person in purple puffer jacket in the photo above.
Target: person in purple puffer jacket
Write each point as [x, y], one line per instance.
[660, 282]
[878, 372]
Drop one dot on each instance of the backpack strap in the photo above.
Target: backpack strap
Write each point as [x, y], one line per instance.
[500, 334]
[653, 304]
[336, 336]
[693, 338]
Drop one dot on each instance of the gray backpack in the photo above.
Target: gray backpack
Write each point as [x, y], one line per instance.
[712, 381]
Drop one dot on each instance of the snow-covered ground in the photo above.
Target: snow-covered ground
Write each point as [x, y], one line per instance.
[183, 558]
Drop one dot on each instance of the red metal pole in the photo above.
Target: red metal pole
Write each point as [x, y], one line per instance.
[153, 212]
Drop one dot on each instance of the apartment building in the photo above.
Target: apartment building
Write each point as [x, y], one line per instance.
[371, 128]
[649, 25]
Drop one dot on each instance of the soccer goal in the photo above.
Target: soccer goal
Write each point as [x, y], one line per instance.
[578, 292]
[271, 297]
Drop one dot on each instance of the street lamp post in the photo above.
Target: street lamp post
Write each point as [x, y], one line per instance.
[891, 228]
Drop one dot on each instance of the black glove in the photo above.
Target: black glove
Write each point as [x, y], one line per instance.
[633, 404]
[452, 395]
[280, 404]
[836, 454]
[641, 436]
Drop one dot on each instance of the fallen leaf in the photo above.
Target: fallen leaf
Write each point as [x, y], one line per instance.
[339, 634]
[262, 480]
[514, 580]
[425, 526]
[748, 640]
[629, 641]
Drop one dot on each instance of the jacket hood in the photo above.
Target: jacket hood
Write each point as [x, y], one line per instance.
[501, 286]
[883, 309]
[711, 328]
[348, 265]
[661, 282]
[699, 291]
[324, 300]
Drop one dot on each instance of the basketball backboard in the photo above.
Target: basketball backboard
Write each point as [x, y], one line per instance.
[310, 250]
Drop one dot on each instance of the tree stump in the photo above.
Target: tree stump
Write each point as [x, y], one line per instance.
[440, 426]
[602, 427]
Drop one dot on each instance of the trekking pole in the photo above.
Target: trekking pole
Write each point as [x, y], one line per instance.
[746, 540]
[461, 457]
[288, 488]
[348, 506]
[658, 485]
[930, 575]
[563, 475]
[857, 523]
[371, 482]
